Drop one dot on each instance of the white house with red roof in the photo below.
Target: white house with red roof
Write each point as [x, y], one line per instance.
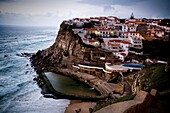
[167, 29]
[103, 32]
[132, 28]
[159, 33]
[91, 42]
[137, 42]
[124, 28]
[131, 34]
[90, 31]
[119, 47]
[123, 45]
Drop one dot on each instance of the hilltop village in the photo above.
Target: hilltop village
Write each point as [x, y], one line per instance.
[114, 39]
[116, 57]
[118, 36]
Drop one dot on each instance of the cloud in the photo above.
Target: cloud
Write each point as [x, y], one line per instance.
[147, 8]
[154, 8]
[108, 8]
[111, 2]
[8, 1]
[29, 20]
[52, 12]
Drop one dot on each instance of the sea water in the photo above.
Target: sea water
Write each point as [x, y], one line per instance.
[18, 92]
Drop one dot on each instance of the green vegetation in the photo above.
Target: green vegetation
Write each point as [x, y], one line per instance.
[155, 77]
[156, 48]
[165, 22]
[88, 25]
[66, 27]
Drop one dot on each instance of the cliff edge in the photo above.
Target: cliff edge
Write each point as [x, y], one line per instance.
[66, 50]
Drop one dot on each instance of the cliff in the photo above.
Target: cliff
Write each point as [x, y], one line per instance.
[66, 49]
[69, 49]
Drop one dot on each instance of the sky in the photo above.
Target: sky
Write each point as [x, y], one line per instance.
[53, 12]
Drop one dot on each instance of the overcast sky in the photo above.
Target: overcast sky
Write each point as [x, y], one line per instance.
[53, 12]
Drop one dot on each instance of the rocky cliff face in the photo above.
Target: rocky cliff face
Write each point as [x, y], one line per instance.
[66, 50]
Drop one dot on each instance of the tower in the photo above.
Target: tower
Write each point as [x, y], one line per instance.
[132, 16]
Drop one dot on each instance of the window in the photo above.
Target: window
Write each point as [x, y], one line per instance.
[114, 48]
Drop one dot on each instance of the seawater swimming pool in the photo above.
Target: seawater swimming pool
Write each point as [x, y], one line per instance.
[134, 65]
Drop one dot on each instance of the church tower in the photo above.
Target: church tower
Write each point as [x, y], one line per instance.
[132, 16]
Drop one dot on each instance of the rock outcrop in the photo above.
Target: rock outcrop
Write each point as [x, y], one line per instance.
[66, 50]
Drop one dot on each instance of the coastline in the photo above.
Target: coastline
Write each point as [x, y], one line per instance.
[93, 62]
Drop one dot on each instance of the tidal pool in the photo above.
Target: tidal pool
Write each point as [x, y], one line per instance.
[67, 85]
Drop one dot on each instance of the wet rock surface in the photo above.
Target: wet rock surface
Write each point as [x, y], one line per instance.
[24, 54]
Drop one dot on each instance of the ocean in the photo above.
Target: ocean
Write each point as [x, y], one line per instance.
[18, 92]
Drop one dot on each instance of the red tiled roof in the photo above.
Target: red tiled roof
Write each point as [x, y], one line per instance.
[104, 30]
[123, 54]
[125, 32]
[90, 29]
[133, 22]
[115, 40]
[93, 41]
[131, 26]
[120, 41]
[155, 22]
[158, 30]
[111, 25]
[109, 59]
[115, 45]
[138, 22]
[85, 39]
[130, 32]
[125, 42]
[104, 44]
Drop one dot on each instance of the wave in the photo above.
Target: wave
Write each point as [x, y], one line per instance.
[18, 93]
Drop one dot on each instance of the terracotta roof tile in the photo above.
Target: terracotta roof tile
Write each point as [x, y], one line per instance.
[123, 54]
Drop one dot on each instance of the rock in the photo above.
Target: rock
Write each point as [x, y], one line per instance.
[153, 92]
[5, 56]
[35, 79]
[26, 72]
[24, 54]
